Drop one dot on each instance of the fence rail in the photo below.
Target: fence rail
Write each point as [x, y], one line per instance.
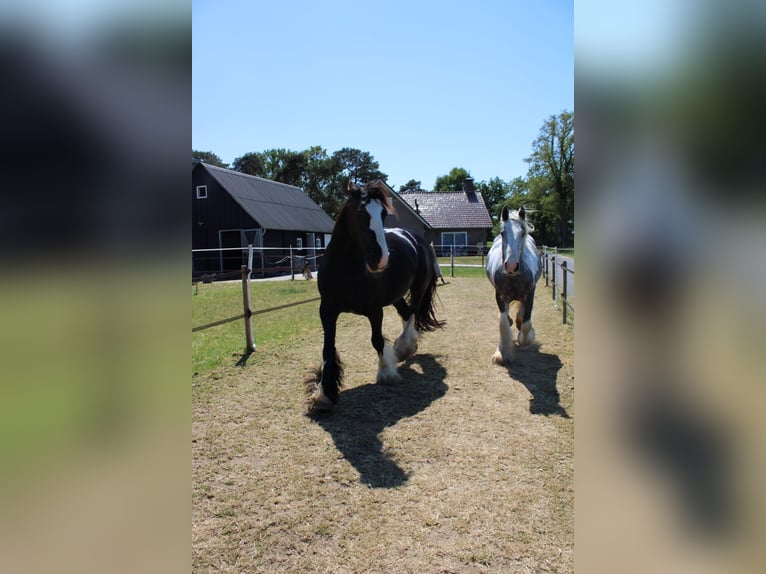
[245, 272]
[222, 263]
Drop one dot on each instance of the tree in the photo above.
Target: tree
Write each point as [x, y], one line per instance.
[494, 193]
[412, 185]
[551, 167]
[251, 163]
[285, 166]
[208, 157]
[535, 196]
[351, 165]
[453, 181]
[543, 210]
[358, 166]
[320, 180]
[324, 178]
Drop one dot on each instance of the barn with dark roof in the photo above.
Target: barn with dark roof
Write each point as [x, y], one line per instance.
[233, 210]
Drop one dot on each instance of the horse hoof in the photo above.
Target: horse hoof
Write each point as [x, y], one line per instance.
[388, 378]
[319, 404]
[526, 335]
[498, 359]
[404, 354]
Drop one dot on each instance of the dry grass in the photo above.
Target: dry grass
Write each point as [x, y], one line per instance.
[463, 467]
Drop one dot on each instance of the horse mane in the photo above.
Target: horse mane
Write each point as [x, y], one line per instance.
[525, 225]
[376, 189]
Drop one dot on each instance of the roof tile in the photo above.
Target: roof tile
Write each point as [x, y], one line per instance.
[450, 209]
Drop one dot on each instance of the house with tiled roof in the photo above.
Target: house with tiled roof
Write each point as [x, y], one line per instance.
[447, 218]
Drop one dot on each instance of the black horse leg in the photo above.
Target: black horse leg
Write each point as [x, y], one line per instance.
[406, 344]
[330, 377]
[386, 357]
[403, 309]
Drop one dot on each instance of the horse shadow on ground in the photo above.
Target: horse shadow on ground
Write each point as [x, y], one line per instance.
[538, 372]
[364, 412]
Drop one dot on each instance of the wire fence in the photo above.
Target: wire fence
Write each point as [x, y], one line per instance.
[558, 271]
[211, 265]
[296, 263]
[224, 263]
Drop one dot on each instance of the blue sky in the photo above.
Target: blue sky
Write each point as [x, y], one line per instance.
[424, 86]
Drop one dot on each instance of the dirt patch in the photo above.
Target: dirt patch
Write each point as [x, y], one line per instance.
[463, 467]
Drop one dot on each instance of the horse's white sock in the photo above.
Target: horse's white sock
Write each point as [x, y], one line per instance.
[504, 355]
[527, 333]
[387, 372]
[406, 344]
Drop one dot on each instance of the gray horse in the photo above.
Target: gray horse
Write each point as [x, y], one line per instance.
[513, 267]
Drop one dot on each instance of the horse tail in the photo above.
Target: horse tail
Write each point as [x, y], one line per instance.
[425, 314]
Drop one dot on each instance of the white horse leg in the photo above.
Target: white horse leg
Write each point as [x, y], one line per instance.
[387, 372]
[504, 353]
[526, 333]
[406, 344]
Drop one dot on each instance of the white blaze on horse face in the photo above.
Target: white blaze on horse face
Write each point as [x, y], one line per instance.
[375, 210]
[513, 245]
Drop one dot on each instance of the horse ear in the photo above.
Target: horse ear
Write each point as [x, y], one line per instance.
[353, 188]
[522, 213]
[504, 213]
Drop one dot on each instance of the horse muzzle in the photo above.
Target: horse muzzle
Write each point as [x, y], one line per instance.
[511, 268]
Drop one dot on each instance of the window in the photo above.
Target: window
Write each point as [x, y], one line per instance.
[456, 239]
[201, 192]
[299, 243]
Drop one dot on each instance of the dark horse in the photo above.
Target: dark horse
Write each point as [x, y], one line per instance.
[365, 268]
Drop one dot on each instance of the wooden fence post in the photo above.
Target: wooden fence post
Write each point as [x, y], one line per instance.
[292, 267]
[553, 279]
[564, 291]
[249, 343]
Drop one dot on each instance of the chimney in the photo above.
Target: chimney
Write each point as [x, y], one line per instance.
[417, 207]
[470, 193]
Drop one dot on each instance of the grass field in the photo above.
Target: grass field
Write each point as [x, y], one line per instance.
[464, 466]
[213, 347]
[465, 260]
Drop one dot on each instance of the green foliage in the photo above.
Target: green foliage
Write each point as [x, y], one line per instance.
[452, 181]
[250, 163]
[494, 193]
[358, 166]
[285, 166]
[551, 177]
[547, 193]
[323, 177]
[412, 185]
[208, 157]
